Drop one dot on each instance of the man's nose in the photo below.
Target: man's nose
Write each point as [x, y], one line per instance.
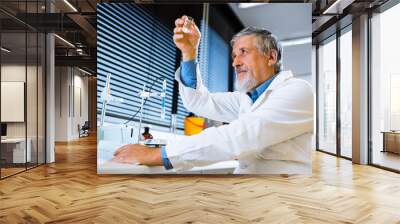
[236, 62]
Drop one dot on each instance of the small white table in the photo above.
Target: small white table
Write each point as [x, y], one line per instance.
[19, 155]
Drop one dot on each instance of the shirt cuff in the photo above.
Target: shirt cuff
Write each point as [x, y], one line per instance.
[167, 164]
[188, 73]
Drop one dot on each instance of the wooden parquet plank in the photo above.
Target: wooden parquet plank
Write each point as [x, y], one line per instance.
[70, 191]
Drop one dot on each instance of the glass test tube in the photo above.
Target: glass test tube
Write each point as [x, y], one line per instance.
[186, 25]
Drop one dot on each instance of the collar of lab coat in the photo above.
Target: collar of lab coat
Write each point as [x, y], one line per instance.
[279, 79]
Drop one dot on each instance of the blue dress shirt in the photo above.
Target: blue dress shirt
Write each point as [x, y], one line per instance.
[260, 89]
[167, 164]
[188, 73]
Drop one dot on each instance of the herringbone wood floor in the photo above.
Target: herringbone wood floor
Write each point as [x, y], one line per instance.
[70, 191]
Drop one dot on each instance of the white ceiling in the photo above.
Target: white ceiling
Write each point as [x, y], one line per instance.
[285, 20]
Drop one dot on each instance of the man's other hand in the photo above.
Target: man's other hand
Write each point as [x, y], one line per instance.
[138, 154]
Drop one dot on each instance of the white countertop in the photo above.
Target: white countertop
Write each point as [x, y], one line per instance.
[108, 167]
[115, 137]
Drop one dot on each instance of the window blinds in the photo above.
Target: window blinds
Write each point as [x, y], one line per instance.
[136, 49]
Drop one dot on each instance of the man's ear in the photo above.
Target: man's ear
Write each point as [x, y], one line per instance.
[272, 57]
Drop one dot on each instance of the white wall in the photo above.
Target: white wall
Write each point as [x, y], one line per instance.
[80, 110]
[33, 127]
[15, 72]
[71, 102]
[314, 85]
[297, 58]
[61, 103]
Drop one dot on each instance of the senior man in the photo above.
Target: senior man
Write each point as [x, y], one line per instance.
[270, 115]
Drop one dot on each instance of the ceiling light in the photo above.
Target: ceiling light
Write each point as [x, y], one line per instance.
[70, 5]
[79, 51]
[5, 50]
[249, 5]
[337, 7]
[65, 41]
[84, 71]
[296, 41]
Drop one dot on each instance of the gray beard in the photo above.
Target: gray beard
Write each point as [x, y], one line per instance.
[245, 85]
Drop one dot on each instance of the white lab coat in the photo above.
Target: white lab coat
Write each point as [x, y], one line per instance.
[271, 136]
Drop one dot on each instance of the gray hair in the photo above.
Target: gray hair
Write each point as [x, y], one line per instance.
[266, 42]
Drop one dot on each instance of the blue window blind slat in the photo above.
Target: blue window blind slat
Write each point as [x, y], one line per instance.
[132, 66]
[136, 76]
[144, 48]
[162, 31]
[104, 26]
[122, 22]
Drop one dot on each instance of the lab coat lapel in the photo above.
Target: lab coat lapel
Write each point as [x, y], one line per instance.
[279, 79]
